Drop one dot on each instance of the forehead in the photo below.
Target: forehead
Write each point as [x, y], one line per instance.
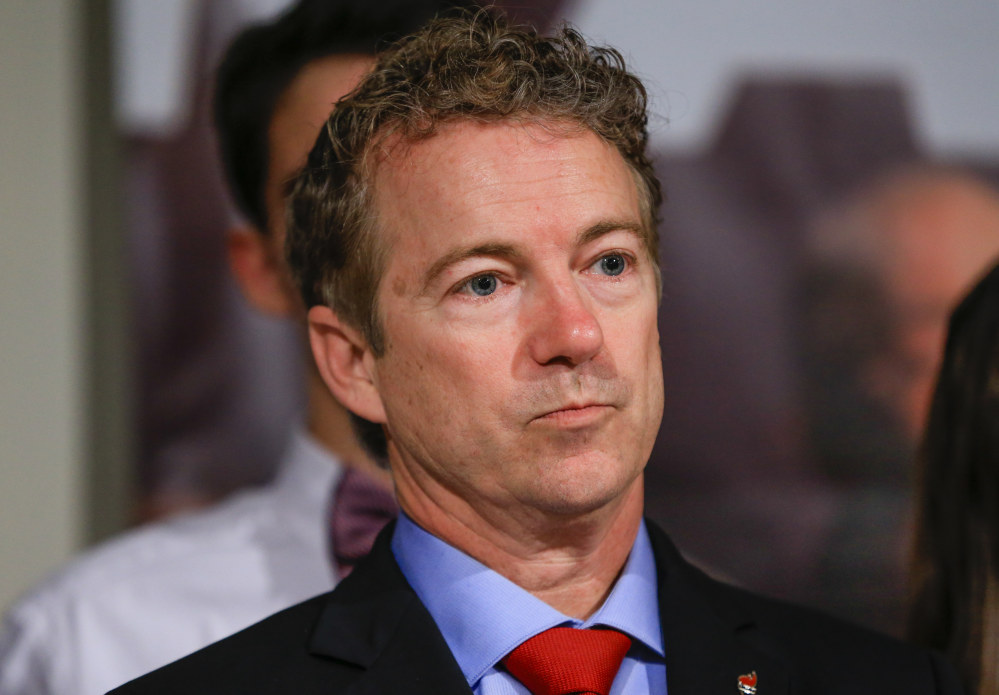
[499, 182]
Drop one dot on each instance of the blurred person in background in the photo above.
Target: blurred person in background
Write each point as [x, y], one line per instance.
[919, 237]
[155, 594]
[955, 567]
[733, 240]
[884, 269]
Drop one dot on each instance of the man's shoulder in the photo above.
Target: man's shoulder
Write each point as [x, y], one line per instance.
[827, 654]
[803, 629]
[270, 656]
[320, 645]
[181, 549]
[783, 643]
[371, 627]
[147, 596]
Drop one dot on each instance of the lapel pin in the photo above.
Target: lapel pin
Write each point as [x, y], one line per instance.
[747, 684]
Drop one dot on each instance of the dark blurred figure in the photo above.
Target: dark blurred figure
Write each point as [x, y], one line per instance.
[150, 596]
[733, 475]
[907, 245]
[795, 350]
[955, 570]
[884, 267]
[219, 384]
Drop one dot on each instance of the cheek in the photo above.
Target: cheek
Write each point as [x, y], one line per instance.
[439, 378]
[467, 383]
[634, 335]
[644, 363]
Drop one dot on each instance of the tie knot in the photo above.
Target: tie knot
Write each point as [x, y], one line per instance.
[564, 660]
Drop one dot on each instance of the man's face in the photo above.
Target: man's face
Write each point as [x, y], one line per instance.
[298, 117]
[522, 367]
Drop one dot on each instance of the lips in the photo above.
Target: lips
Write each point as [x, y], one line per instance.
[574, 400]
[575, 415]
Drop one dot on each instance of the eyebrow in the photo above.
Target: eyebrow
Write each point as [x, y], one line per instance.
[510, 252]
[459, 254]
[598, 230]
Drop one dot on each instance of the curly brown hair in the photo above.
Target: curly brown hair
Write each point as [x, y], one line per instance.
[473, 66]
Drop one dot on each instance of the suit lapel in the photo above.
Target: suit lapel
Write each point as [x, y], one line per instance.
[375, 623]
[708, 636]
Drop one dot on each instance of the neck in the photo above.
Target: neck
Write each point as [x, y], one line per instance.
[569, 561]
[329, 424]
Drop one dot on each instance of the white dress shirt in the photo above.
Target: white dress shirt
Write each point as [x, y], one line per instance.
[155, 594]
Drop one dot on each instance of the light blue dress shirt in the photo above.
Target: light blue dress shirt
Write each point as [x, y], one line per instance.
[483, 616]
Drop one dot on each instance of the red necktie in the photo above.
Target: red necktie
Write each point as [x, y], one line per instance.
[564, 660]
[360, 508]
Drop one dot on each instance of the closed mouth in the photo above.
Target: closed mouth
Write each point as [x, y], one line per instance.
[576, 414]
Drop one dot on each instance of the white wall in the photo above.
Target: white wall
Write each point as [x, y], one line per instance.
[41, 296]
[946, 50]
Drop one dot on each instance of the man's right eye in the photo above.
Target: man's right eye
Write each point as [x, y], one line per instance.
[482, 285]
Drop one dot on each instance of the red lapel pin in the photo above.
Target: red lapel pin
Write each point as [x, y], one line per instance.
[747, 684]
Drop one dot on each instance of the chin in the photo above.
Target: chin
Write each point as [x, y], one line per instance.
[577, 490]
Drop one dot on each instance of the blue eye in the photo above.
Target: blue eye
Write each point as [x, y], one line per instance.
[483, 285]
[612, 264]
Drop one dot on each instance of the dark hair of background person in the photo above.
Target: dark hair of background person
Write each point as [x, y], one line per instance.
[478, 67]
[263, 61]
[955, 571]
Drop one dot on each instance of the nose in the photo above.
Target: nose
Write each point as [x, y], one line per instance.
[564, 328]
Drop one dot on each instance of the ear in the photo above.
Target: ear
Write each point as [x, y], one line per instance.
[256, 261]
[345, 363]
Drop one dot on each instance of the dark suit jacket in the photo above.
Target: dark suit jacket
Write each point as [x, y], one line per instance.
[373, 636]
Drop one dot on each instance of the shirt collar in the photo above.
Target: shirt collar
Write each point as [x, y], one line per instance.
[483, 616]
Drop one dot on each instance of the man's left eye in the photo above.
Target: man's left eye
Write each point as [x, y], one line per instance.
[480, 285]
[611, 264]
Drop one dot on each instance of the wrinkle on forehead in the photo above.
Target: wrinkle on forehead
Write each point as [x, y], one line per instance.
[396, 150]
[445, 175]
[486, 181]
